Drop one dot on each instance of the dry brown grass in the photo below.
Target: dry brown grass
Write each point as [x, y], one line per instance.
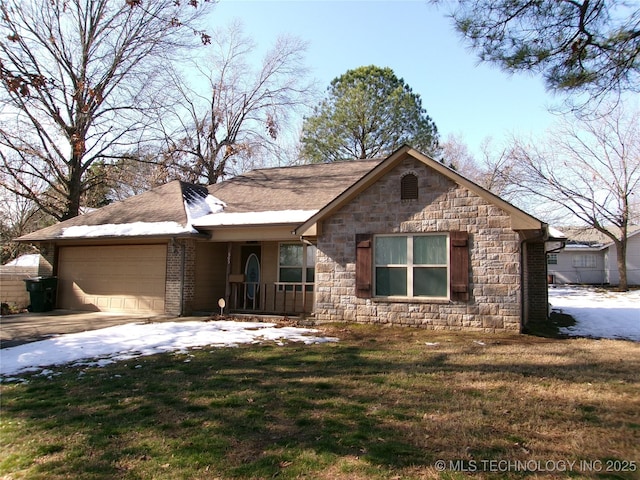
[384, 402]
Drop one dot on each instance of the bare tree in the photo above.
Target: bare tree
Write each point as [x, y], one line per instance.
[241, 113]
[139, 171]
[492, 170]
[19, 216]
[455, 153]
[79, 79]
[590, 168]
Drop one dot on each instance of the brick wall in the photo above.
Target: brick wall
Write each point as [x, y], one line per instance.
[180, 282]
[442, 206]
[536, 293]
[48, 253]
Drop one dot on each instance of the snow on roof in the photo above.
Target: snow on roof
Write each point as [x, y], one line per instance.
[555, 233]
[255, 218]
[30, 260]
[197, 204]
[124, 230]
[583, 247]
[200, 206]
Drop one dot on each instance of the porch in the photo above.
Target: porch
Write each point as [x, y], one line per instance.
[254, 277]
[282, 298]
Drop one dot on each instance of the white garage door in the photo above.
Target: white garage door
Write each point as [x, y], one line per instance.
[127, 279]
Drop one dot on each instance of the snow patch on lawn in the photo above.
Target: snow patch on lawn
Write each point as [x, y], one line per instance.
[599, 313]
[124, 342]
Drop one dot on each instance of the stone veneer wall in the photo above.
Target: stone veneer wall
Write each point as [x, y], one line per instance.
[442, 206]
[180, 281]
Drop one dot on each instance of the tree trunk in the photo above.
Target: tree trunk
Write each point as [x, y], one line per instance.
[74, 189]
[621, 247]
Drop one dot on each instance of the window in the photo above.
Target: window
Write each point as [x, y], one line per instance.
[584, 261]
[552, 259]
[409, 187]
[297, 261]
[411, 266]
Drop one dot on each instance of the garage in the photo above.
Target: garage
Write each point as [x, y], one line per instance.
[112, 278]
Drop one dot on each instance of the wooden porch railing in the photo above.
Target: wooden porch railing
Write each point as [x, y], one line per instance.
[278, 297]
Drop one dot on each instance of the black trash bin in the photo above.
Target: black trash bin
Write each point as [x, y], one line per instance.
[42, 293]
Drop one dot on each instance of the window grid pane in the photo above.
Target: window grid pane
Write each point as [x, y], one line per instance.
[430, 282]
[391, 251]
[431, 250]
[288, 274]
[291, 255]
[412, 266]
[391, 281]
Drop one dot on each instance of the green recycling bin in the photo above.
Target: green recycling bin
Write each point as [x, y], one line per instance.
[42, 293]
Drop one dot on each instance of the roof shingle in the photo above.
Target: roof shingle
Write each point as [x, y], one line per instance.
[305, 187]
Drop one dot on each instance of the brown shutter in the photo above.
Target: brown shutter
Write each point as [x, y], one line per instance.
[363, 265]
[459, 246]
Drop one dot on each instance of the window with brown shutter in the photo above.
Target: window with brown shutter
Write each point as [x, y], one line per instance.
[459, 257]
[363, 265]
[413, 266]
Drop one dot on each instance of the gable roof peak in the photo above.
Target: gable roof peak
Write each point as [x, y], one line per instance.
[520, 220]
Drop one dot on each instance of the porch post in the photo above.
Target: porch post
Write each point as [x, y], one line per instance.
[227, 286]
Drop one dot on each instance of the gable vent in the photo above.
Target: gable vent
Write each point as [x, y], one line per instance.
[409, 187]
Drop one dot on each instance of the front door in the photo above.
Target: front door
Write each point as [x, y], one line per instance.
[251, 260]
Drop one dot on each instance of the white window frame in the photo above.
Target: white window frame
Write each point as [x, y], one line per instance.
[552, 258]
[305, 266]
[410, 266]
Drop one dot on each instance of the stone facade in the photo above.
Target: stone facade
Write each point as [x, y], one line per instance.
[442, 206]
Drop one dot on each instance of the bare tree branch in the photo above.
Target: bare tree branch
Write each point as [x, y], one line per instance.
[78, 80]
[590, 168]
[242, 111]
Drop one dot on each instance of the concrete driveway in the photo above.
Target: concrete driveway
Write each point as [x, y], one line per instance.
[30, 327]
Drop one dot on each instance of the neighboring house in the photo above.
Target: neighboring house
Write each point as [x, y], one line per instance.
[13, 290]
[590, 257]
[402, 240]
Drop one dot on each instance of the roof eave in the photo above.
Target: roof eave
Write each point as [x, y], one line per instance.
[159, 236]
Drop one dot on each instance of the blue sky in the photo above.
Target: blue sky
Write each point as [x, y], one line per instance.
[419, 43]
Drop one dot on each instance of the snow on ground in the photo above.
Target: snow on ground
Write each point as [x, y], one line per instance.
[123, 342]
[599, 313]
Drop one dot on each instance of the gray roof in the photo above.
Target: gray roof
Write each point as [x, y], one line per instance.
[589, 236]
[305, 187]
[161, 204]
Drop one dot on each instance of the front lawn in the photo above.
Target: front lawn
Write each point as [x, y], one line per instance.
[383, 402]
